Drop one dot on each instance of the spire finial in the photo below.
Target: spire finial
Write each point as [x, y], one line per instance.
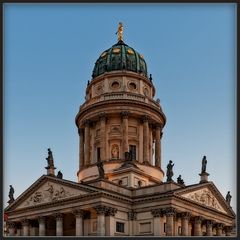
[120, 31]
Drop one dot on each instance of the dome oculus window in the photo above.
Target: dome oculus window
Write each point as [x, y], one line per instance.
[132, 86]
[115, 85]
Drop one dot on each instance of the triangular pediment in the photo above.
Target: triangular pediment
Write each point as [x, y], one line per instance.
[47, 190]
[206, 195]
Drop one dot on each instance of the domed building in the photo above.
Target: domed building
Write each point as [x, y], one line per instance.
[120, 189]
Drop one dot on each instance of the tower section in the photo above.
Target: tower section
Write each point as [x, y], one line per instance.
[120, 123]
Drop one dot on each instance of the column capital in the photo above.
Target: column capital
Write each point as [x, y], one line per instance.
[132, 215]
[198, 219]
[228, 229]
[41, 219]
[87, 122]
[185, 215]
[101, 209]
[102, 116]
[11, 224]
[209, 223]
[158, 126]
[78, 212]
[25, 222]
[219, 225]
[145, 118]
[111, 211]
[125, 114]
[159, 212]
[58, 216]
[169, 211]
[80, 131]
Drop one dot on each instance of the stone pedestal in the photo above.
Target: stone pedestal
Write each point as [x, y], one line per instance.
[42, 226]
[198, 226]
[59, 224]
[204, 177]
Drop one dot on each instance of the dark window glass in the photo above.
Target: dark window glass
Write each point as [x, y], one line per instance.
[132, 150]
[98, 153]
[120, 227]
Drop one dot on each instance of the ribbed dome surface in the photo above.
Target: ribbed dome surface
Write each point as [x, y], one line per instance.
[120, 57]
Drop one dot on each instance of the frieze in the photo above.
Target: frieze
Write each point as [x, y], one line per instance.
[50, 192]
[205, 197]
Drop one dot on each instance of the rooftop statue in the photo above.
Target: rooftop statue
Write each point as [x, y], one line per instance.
[180, 180]
[169, 171]
[228, 197]
[204, 164]
[100, 169]
[60, 175]
[50, 158]
[10, 195]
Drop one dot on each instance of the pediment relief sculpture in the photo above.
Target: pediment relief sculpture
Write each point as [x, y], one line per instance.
[50, 192]
[205, 197]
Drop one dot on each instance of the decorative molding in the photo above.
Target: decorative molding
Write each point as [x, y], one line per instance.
[41, 219]
[111, 211]
[58, 216]
[78, 212]
[125, 114]
[87, 122]
[25, 222]
[11, 224]
[219, 225]
[100, 209]
[102, 116]
[169, 211]
[185, 215]
[209, 223]
[145, 118]
[205, 197]
[198, 219]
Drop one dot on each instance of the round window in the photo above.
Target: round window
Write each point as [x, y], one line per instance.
[132, 86]
[115, 85]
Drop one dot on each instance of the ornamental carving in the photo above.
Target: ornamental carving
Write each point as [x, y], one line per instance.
[50, 192]
[157, 212]
[132, 215]
[99, 89]
[204, 197]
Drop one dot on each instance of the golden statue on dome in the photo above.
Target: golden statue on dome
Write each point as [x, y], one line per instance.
[120, 32]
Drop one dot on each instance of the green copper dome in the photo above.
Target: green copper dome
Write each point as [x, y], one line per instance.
[120, 57]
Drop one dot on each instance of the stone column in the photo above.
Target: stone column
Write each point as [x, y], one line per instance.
[209, 226]
[157, 226]
[170, 213]
[11, 228]
[145, 139]
[158, 146]
[132, 216]
[81, 147]
[42, 226]
[125, 116]
[59, 224]
[102, 119]
[228, 230]
[79, 221]
[87, 143]
[101, 211]
[219, 227]
[198, 226]
[25, 224]
[110, 226]
[185, 216]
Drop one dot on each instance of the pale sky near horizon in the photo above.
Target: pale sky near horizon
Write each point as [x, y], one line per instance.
[49, 55]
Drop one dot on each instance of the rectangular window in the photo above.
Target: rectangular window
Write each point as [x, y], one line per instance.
[120, 227]
[132, 150]
[98, 153]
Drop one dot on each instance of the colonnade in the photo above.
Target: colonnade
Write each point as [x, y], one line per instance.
[84, 139]
[164, 220]
[190, 225]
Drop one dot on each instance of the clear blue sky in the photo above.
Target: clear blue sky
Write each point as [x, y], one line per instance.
[49, 55]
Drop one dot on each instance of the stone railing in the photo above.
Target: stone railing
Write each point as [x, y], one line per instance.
[120, 96]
